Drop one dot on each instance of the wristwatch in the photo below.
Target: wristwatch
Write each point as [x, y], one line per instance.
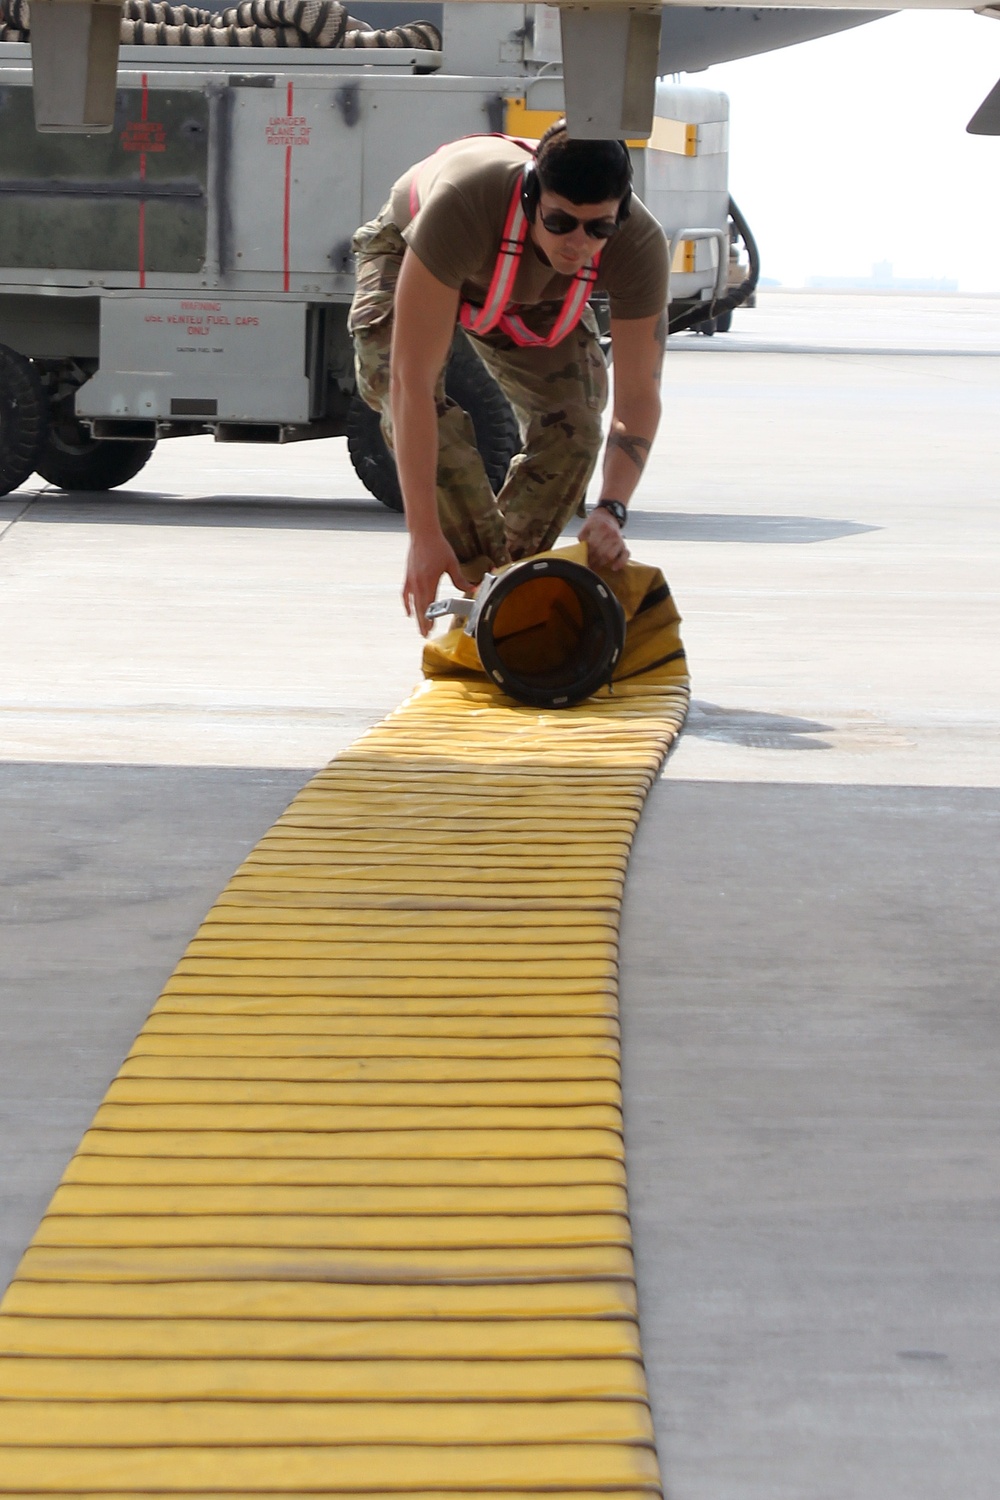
[616, 508]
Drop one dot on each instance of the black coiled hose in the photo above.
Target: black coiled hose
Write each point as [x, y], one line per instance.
[250, 23]
[705, 312]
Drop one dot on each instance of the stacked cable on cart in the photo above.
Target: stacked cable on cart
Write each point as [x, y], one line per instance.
[253, 23]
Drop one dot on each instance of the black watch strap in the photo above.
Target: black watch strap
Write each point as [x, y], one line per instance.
[617, 509]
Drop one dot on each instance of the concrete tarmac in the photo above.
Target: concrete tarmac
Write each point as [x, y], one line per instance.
[809, 945]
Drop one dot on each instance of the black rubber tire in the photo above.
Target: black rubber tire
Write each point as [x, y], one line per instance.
[724, 321]
[373, 463]
[470, 384]
[24, 418]
[71, 459]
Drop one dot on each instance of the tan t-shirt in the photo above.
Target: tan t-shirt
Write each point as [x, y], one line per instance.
[464, 193]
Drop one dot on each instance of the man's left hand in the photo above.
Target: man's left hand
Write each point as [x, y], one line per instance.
[605, 544]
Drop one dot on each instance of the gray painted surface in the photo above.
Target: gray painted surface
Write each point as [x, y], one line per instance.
[695, 37]
[809, 984]
[812, 1137]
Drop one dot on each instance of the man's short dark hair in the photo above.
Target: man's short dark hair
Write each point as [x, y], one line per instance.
[582, 171]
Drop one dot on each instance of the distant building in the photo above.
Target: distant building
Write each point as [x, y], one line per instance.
[881, 280]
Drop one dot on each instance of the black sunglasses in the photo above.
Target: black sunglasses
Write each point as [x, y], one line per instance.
[556, 222]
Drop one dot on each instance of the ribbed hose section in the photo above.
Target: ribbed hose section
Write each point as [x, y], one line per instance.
[254, 23]
[352, 1218]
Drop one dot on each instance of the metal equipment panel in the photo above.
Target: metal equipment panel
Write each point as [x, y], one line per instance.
[226, 360]
[686, 172]
[296, 178]
[424, 113]
[132, 201]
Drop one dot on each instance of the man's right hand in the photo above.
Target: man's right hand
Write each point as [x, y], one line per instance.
[428, 560]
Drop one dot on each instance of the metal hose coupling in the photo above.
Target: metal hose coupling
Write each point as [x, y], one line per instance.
[549, 632]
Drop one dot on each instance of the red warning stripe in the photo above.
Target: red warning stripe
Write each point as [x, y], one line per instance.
[142, 178]
[287, 231]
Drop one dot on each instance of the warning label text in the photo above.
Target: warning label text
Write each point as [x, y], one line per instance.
[144, 135]
[288, 130]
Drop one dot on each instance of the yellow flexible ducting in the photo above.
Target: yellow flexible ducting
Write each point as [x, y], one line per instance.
[351, 1220]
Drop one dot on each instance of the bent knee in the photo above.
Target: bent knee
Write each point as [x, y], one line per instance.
[579, 427]
[372, 372]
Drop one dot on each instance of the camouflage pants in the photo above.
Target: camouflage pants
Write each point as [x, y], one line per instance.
[557, 395]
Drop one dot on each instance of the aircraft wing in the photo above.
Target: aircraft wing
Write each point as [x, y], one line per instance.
[693, 37]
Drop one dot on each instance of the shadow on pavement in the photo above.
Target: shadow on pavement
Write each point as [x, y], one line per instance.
[759, 731]
[145, 508]
[692, 526]
[298, 513]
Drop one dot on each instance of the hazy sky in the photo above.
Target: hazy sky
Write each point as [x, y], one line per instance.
[853, 149]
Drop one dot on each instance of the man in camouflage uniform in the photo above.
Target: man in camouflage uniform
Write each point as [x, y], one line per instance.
[429, 260]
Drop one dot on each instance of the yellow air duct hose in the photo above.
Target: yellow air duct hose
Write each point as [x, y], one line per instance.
[352, 1219]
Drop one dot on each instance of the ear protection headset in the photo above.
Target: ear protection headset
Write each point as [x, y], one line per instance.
[531, 190]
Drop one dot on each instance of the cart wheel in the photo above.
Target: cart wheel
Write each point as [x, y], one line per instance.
[468, 382]
[712, 326]
[373, 463]
[71, 459]
[23, 418]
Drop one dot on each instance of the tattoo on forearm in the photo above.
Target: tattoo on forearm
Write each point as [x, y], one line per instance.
[637, 448]
[660, 333]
